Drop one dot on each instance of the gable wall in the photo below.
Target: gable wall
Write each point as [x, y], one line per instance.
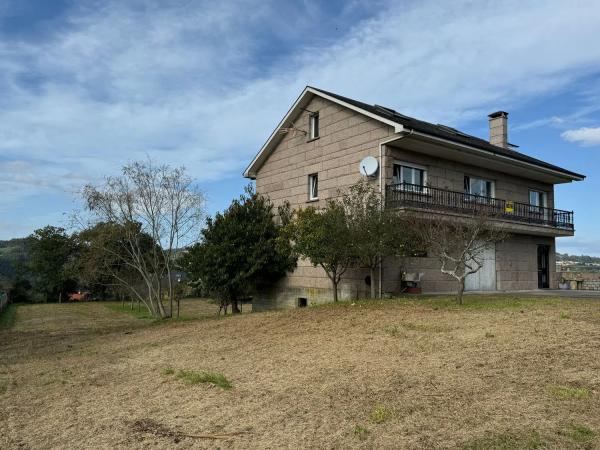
[345, 138]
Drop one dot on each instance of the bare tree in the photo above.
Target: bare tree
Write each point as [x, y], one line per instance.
[459, 242]
[154, 201]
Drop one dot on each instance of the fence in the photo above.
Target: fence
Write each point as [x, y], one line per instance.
[428, 197]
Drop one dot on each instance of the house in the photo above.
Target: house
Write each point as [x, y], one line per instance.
[315, 152]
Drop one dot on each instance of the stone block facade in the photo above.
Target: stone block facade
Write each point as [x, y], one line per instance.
[346, 137]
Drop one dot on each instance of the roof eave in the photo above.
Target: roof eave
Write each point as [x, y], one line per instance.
[253, 167]
[566, 175]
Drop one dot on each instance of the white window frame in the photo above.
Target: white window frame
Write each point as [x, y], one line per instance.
[540, 210]
[544, 197]
[492, 185]
[313, 131]
[311, 177]
[400, 183]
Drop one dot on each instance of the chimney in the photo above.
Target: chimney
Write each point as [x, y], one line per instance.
[499, 129]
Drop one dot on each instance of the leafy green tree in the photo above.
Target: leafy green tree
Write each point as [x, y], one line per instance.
[51, 254]
[241, 249]
[376, 231]
[103, 259]
[325, 238]
[20, 291]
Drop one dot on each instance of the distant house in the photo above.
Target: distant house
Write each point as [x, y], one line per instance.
[315, 151]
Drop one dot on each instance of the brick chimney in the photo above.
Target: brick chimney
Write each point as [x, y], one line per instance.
[499, 129]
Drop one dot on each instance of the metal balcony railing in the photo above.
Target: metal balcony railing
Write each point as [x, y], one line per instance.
[426, 197]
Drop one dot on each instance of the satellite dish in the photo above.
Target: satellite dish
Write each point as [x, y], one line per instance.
[368, 166]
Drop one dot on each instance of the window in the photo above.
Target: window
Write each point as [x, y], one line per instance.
[538, 202]
[302, 302]
[409, 177]
[479, 186]
[537, 198]
[313, 186]
[313, 125]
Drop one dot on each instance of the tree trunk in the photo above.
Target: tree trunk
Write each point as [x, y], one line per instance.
[461, 290]
[372, 275]
[234, 307]
[60, 297]
[334, 286]
[170, 289]
[178, 307]
[161, 309]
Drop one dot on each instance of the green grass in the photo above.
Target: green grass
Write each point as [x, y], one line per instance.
[141, 314]
[8, 317]
[580, 433]
[168, 371]
[3, 387]
[361, 432]
[381, 414]
[448, 302]
[507, 441]
[570, 393]
[564, 315]
[191, 377]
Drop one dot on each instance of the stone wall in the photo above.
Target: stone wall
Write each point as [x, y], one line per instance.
[586, 281]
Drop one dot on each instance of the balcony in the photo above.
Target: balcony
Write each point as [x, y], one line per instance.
[425, 197]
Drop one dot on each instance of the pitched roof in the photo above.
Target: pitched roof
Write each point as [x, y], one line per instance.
[392, 117]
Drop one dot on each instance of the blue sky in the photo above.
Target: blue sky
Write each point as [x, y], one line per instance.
[90, 85]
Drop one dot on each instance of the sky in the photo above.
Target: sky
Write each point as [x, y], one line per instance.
[87, 86]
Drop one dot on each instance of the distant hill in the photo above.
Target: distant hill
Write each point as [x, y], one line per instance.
[577, 258]
[13, 255]
[577, 263]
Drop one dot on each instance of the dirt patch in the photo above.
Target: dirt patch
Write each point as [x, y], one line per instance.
[396, 374]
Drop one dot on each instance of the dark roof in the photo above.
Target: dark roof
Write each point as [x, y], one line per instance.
[445, 132]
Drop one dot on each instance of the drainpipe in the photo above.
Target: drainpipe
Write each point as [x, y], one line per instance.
[382, 192]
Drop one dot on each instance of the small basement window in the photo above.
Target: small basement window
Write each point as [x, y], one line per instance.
[313, 125]
[302, 302]
[313, 186]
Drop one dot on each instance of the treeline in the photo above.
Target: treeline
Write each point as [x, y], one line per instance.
[143, 227]
[583, 259]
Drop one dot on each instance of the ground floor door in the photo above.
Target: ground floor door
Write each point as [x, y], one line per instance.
[543, 263]
[485, 278]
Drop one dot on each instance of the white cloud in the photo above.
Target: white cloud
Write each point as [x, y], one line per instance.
[585, 136]
[578, 246]
[196, 83]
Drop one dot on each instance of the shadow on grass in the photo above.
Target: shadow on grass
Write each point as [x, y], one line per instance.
[447, 303]
[8, 317]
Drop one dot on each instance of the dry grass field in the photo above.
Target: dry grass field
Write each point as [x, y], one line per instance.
[497, 373]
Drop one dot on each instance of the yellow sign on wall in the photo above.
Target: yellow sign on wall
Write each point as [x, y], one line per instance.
[509, 207]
